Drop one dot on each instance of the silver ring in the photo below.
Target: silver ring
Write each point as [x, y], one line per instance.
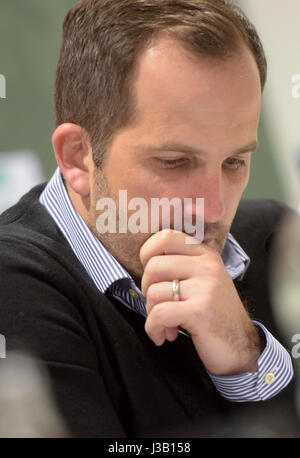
[175, 290]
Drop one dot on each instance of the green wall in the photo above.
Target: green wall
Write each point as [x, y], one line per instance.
[30, 34]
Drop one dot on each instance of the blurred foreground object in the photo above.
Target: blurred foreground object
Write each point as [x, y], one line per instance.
[285, 290]
[26, 406]
[19, 172]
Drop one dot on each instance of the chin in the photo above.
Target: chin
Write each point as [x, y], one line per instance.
[214, 244]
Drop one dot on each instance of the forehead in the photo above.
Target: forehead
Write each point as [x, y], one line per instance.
[170, 81]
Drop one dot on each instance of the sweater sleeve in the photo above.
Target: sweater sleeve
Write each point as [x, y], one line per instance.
[36, 317]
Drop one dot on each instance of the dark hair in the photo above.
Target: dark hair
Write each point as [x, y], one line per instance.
[101, 39]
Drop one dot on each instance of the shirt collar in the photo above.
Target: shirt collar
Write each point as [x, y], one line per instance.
[99, 263]
[235, 259]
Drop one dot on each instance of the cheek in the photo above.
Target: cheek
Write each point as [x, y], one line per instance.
[236, 181]
[232, 193]
[142, 182]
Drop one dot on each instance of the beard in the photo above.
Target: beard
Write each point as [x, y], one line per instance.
[125, 247]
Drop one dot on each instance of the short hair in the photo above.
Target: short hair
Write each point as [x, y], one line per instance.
[102, 38]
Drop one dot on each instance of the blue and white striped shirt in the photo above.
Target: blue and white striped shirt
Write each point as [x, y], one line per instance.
[274, 364]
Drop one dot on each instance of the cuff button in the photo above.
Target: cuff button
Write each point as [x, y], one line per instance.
[269, 378]
[133, 293]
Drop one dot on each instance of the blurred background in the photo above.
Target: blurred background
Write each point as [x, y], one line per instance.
[30, 33]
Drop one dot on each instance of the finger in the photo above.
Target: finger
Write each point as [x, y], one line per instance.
[172, 267]
[166, 315]
[158, 293]
[171, 242]
[163, 292]
[171, 334]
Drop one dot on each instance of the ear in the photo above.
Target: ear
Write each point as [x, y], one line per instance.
[73, 154]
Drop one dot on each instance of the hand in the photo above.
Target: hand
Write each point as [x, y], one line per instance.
[209, 309]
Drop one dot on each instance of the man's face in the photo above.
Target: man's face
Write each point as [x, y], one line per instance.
[196, 127]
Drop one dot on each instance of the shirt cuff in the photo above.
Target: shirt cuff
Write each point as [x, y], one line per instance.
[275, 371]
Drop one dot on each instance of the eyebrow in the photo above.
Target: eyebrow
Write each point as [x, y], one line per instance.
[178, 147]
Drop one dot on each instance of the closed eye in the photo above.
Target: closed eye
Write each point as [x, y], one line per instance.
[234, 163]
[171, 163]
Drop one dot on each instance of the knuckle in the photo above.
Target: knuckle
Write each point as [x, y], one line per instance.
[212, 266]
[152, 294]
[157, 314]
[149, 329]
[219, 266]
[142, 255]
[154, 320]
[152, 265]
[165, 237]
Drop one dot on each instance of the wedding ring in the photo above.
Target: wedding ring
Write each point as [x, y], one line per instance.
[175, 290]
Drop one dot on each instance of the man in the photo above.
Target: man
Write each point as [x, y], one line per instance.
[144, 334]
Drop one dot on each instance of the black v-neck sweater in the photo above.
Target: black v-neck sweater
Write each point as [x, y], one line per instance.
[108, 378]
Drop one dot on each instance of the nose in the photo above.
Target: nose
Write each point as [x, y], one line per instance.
[210, 187]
